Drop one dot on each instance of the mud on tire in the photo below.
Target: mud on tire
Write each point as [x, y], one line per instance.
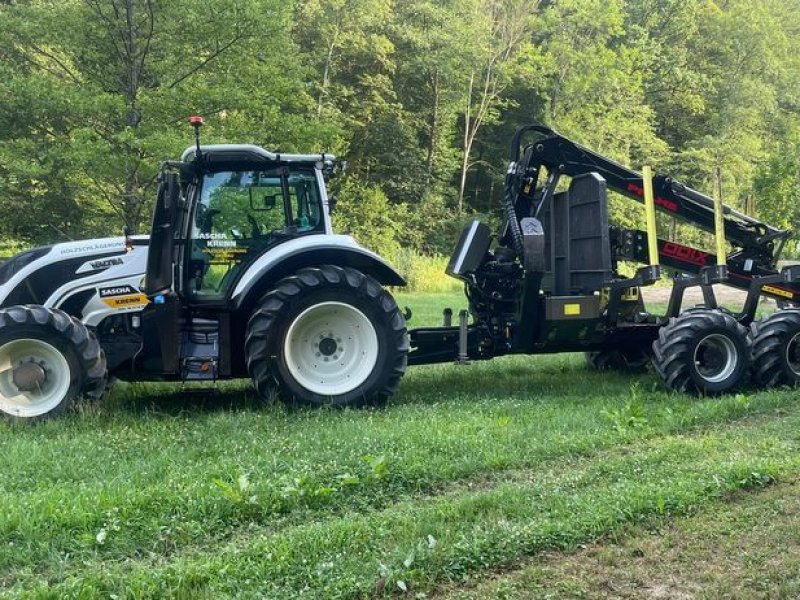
[704, 352]
[56, 342]
[776, 349]
[327, 336]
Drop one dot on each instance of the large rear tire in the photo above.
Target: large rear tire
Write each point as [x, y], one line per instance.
[703, 352]
[47, 359]
[327, 336]
[776, 349]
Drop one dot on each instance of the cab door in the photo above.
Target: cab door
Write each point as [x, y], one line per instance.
[160, 257]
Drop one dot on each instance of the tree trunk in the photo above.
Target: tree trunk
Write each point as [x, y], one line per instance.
[131, 196]
[467, 147]
[326, 76]
[433, 137]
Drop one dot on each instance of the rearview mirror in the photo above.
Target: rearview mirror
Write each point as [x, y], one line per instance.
[268, 201]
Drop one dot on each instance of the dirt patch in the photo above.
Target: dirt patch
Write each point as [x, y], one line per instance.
[727, 296]
[748, 548]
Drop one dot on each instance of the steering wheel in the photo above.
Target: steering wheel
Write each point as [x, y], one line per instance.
[255, 228]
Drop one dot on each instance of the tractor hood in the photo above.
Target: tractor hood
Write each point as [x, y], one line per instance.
[48, 274]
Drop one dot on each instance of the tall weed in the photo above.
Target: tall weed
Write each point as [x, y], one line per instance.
[425, 273]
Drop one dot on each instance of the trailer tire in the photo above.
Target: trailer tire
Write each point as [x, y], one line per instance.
[631, 361]
[702, 352]
[333, 314]
[776, 349]
[68, 359]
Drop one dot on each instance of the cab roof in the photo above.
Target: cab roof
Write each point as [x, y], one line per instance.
[220, 156]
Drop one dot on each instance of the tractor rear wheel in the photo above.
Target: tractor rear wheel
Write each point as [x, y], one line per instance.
[327, 336]
[703, 352]
[776, 349]
[47, 359]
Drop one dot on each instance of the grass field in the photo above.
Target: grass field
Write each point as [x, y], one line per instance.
[475, 482]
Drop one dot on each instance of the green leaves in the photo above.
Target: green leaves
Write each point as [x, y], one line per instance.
[421, 96]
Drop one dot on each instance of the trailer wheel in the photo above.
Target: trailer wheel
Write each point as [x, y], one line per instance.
[776, 349]
[327, 336]
[633, 360]
[47, 359]
[703, 352]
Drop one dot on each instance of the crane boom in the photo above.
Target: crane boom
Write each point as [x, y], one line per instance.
[756, 245]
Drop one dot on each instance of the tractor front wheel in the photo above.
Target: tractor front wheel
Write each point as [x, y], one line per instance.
[47, 359]
[327, 336]
[704, 352]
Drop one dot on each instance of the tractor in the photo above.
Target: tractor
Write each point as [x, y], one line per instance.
[242, 276]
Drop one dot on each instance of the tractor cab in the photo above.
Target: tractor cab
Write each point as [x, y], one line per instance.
[241, 212]
[222, 207]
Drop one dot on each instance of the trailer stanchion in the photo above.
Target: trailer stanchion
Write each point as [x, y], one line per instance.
[719, 220]
[650, 215]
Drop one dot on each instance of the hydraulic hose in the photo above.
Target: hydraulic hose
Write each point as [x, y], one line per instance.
[511, 213]
[510, 191]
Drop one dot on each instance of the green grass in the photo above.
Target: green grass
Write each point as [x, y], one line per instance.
[747, 547]
[469, 469]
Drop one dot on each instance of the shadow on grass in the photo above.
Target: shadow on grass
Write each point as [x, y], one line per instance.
[173, 400]
[545, 379]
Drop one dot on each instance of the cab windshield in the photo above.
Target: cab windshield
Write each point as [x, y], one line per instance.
[240, 214]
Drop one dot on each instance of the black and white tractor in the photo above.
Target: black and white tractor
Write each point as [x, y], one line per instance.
[241, 276]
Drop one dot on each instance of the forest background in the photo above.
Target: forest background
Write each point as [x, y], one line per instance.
[420, 97]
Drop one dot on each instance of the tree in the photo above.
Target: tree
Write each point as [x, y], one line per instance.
[501, 31]
[124, 74]
[433, 52]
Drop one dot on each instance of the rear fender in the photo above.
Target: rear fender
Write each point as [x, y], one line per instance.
[288, 258]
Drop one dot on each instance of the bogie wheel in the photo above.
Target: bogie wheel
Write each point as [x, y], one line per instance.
[776, 349]
[327, 336]
[633, 360]
[47, 359]
[702, 351]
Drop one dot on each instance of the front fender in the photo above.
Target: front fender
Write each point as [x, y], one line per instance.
[309, 251]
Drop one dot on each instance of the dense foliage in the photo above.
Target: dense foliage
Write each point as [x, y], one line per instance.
[420, 96]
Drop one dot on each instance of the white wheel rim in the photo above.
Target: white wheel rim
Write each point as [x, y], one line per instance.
[48, 394]
[331, 348]
[793, 354]
[716, 357]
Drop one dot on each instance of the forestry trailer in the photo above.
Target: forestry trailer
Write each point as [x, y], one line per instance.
[242, 276]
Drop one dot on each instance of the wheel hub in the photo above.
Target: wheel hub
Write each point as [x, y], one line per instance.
[328, 346]
[715, 357]
[28, 376]
[35, 377]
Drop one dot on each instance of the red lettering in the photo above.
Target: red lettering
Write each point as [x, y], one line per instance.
[685, 253]
[663, 202]
[668, 204]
